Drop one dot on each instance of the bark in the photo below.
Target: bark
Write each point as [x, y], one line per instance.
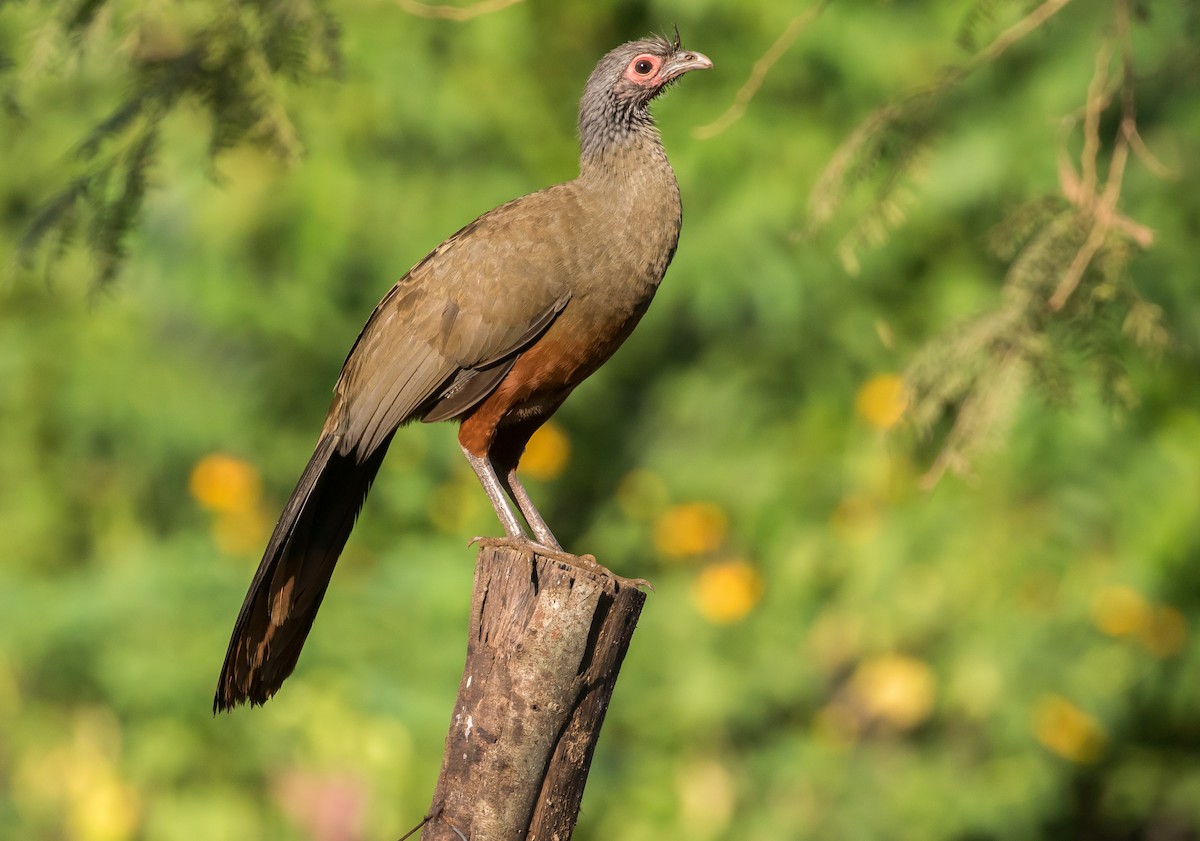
[544, 647]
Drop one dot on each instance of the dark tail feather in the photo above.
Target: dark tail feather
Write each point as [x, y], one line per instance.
[294, 572]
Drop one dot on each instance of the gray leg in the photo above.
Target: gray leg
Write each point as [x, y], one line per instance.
[495, 494]
[521, 497]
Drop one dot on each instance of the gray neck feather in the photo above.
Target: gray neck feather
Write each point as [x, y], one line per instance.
[608, 122]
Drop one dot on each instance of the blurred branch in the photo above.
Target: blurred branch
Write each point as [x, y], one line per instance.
[1149, 160]
[976, 374]
[1101, 206]
[824, 199]
[1015, 33]
[984, 410]
[758, 73]
[904, 126]
[456, 13]
[235, 67]
[1096, 103]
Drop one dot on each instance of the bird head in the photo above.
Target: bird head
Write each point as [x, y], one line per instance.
[626, 80]
[640, 70]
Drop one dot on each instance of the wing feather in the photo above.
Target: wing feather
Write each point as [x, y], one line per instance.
[435, 344]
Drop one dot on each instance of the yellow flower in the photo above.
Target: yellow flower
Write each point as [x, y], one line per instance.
[896, 689]
[1165, 631]
[724, 593]
[690, 529]
[1119, 611]
[80, 780]
[224, 483]
[1123, 612]
[547, 452]
[882, 400]
[106, 810]
[1068, 731]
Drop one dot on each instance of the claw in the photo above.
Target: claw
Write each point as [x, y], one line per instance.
[637, 582]
[587, 562]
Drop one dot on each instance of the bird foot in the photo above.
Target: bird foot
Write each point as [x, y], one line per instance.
[586, 562]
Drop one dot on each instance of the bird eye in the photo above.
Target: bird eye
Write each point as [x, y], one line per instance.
[643, 67]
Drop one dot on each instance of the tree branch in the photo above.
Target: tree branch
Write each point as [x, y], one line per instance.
[825, 195]
[456, 13]
[1015, 33]
[1102, 206]
[759, 72]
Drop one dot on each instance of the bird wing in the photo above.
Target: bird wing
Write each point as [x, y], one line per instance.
[448, 331]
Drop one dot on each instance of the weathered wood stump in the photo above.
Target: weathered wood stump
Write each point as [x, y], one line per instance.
[544, 647]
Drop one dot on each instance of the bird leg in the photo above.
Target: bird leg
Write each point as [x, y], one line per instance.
[495, 494]
[545, 544]
[521, 497]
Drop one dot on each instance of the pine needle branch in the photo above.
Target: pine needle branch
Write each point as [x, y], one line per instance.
[1101, 205]
[1017, 32]
[236, 67]
[829, 192]
[1066, 287]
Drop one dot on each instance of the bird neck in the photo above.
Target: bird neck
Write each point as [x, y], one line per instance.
[629, 181]
[612, 148]
[613, 128]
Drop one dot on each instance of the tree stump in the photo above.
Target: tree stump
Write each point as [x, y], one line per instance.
[544, 647]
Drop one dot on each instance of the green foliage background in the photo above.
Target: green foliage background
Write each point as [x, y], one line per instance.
[1005, 654]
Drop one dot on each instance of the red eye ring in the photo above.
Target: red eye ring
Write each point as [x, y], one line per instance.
[644, 65]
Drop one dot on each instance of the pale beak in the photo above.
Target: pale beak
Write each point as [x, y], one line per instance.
[682, 62]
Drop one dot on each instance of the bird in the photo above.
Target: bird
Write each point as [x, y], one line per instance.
[493, 328]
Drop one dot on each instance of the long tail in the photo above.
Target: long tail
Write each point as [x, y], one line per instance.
[291, 579]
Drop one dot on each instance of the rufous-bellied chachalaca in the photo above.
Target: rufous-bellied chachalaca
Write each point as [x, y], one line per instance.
[494, 328]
